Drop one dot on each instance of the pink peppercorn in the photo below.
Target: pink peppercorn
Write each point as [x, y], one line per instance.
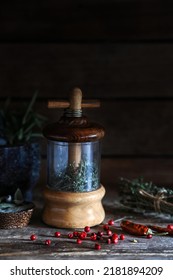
[87, 229]
[33, 237]
[93, 237]
[57, 234]
[114, 236]
[149, 236]
[111, 222]
[170, 227]
[115, 241]
[82, 235]
[97, 246]
[47, 242]
[109, 241]
[70, 235]
[109, 232]
[75, 233]
[79, 241]
[105, 227]
[122, 236]
[100, 233]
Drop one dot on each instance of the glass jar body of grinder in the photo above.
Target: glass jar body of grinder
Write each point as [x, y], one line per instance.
[73, 193]
[73, 167]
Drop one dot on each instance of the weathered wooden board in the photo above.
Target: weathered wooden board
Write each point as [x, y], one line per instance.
[121, 53]
[101, 70]
[16, 243]
[156, 170]
[133, 128]
[91, 20]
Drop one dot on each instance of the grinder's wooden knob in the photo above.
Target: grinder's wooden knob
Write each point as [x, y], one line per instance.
[76, 99]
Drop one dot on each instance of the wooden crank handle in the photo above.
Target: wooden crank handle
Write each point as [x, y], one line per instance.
[52, 104]
[75, 102]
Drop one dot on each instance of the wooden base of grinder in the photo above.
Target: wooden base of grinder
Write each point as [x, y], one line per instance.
[73, 210]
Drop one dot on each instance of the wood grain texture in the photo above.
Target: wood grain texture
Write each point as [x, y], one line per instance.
[92, 20]
[158, 170]
[53, 104]
[131, 127]
[100, 70]
[121, 53]
[73, 210]
[16, 244]
[73, 130]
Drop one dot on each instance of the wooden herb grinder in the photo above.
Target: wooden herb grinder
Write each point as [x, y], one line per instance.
[73, 195]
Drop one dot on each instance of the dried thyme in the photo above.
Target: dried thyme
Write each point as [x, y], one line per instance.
[81, 179]
[130, 191]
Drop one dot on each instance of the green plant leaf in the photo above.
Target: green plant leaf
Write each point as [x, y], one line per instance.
[18, 197]
[41, 117]
[20, 134]
[37, 134]
[29, 107]
[18, 126]
[29, 128]
[28, 136]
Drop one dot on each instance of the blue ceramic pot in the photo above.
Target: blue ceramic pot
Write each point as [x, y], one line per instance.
[19, 168]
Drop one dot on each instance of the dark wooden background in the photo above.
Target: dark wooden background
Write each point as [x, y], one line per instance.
[120, 52]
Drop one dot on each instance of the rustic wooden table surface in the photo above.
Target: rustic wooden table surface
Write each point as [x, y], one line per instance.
[16, 243]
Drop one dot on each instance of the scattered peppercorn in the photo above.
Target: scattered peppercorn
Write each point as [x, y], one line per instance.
[47, 242]
[75, 233]
[170, 227]
[109, 232]
[57, 234]
[108, 237]
[33, 237]
[111, 222]
[97, 246]
[115, 241]
[70, 235]
[87, 229]
[105, 227]
[93, 236]
[122, 236]
[109, 241]
[82, 235]
[114, 236]
[100, 233]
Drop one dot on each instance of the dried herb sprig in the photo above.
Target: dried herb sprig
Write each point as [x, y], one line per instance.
[131, 186]
[142, 195]
[76, 179]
